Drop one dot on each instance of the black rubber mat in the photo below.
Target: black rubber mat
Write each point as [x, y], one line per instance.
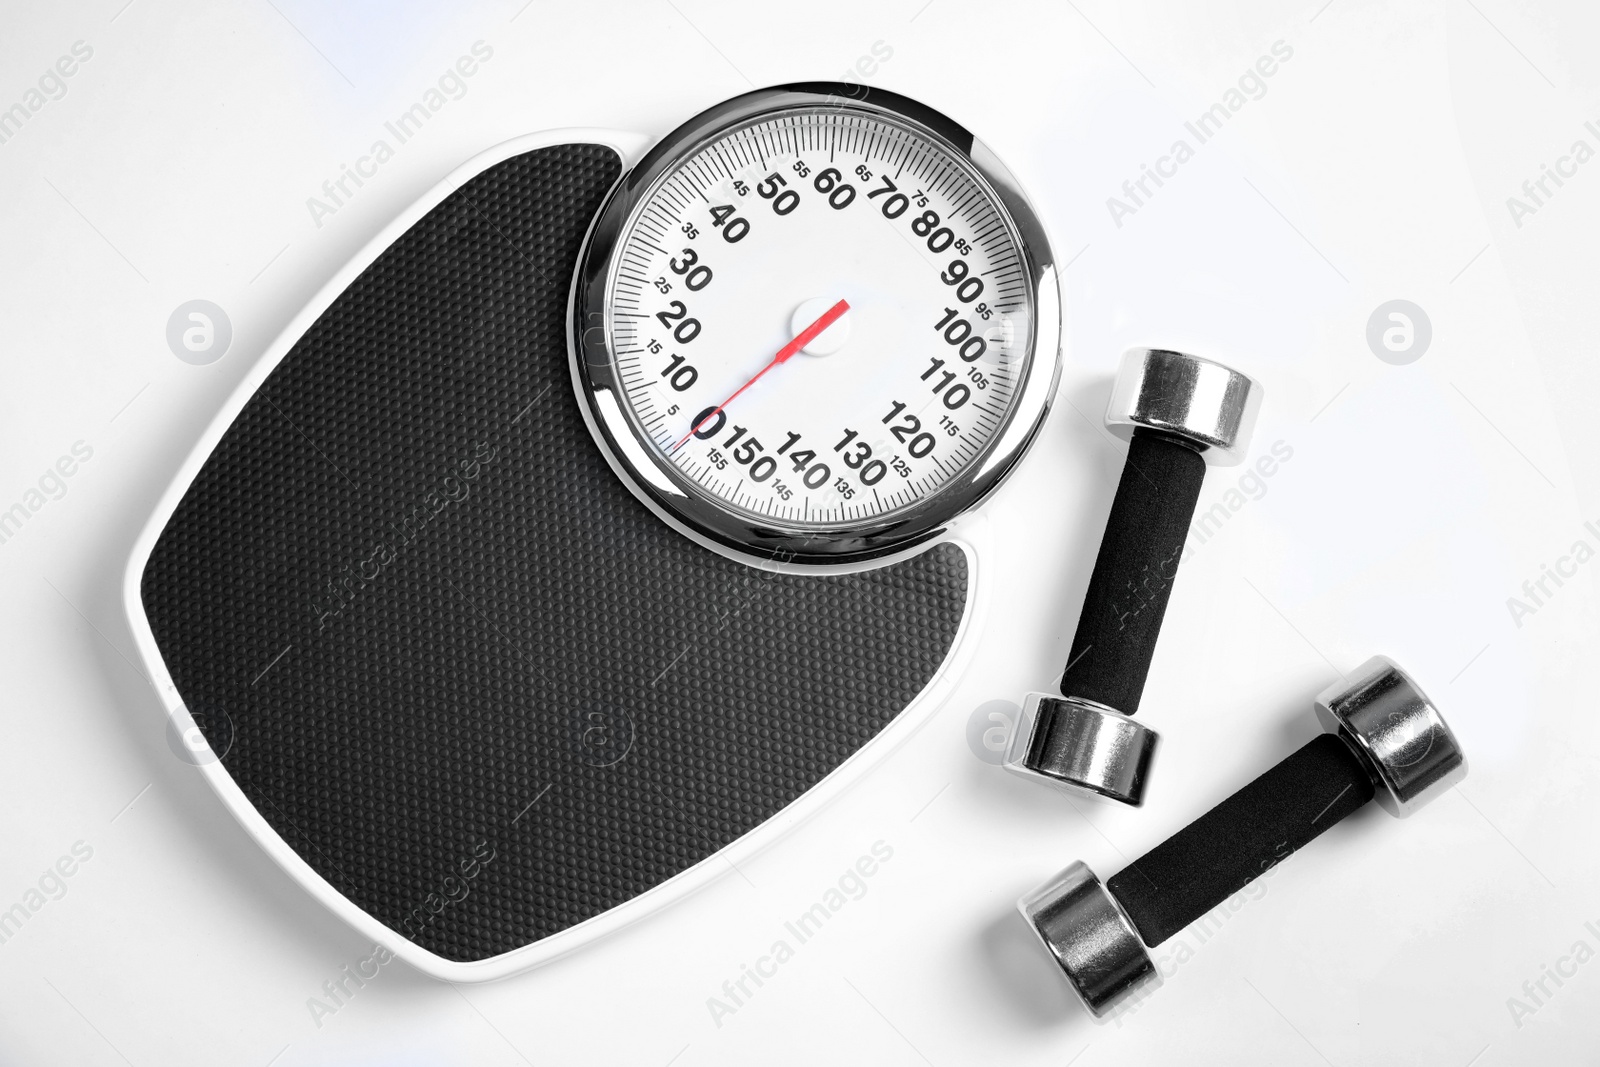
[471, 680]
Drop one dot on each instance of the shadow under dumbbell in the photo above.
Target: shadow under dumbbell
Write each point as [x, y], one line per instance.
[1029, 982]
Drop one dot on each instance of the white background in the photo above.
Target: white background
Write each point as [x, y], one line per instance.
[1418, 499]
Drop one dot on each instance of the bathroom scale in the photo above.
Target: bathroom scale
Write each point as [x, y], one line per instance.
[607, 514]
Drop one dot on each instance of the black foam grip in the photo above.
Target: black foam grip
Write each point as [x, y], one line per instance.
[1134, 571]
[1241, 838]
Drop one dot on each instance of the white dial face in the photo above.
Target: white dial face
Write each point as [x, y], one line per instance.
[820, 317]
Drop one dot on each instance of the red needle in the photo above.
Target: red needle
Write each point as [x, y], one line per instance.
[805, 337]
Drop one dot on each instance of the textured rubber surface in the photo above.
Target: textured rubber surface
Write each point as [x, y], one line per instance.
[1134, 572]
[1241, 838]
[472, 681]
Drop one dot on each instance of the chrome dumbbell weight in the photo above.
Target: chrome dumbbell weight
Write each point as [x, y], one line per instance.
[1179, 413]
[1385, 739]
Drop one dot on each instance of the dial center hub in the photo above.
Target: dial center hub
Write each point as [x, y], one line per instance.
[828, 341]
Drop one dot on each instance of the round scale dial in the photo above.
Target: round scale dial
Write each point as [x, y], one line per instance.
[814, 319]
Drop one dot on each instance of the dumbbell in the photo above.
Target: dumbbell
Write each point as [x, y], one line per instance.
[1384, 739]
[1179, 414]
